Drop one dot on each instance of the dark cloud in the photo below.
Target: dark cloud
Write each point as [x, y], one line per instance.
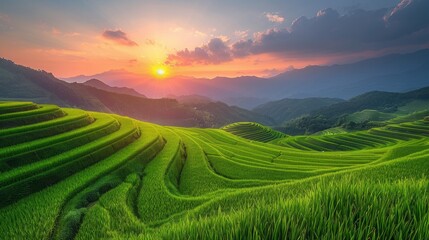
[216, 51]
[119, 37]
[331, 33]
[242, 48]
[408, 17]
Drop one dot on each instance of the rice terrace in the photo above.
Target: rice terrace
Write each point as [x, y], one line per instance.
[87, 175]
[218, 120]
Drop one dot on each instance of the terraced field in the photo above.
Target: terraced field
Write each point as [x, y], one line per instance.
[253, 131]
[390, 135]
[72, 174]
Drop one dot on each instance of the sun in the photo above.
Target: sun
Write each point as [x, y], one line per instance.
[160, 72]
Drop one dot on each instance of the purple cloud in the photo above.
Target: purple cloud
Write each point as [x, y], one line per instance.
[328, 32]
[119, 37]
[215, 52]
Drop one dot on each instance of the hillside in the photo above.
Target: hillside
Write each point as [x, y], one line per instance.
[191, 99]
[22, 83]
[253, 131]
[86, 175]
[121, 90]
[287, 109]
[370, 107]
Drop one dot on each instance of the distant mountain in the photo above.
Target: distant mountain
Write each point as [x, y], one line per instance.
[121, 90]
[287, 109]
[395, 72]
[112, 77]
[23, 83]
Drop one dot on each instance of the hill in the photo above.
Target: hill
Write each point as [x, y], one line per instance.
[287, 109]
[121, 90]
[371, 106]
[22, 83]
[89, 175]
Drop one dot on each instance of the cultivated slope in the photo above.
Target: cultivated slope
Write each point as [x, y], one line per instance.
[253, 131]
[71, 174]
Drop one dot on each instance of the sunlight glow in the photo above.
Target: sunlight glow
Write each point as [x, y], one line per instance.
[160, 71]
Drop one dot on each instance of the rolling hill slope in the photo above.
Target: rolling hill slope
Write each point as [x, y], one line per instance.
[89, 175]
[366, 108]
[287, 109]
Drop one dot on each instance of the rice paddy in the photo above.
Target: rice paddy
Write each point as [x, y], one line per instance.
[72, 174]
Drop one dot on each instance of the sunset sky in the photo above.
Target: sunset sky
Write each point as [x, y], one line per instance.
[205, 38]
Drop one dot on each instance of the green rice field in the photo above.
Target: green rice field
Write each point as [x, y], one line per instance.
[72, 174]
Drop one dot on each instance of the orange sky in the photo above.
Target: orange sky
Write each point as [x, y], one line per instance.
[101, 55]
[70, 38]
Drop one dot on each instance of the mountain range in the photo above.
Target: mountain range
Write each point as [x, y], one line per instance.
[395, 72]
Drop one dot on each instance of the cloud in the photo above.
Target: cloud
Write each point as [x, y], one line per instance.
[274, 17]
[241, 34]
[328, 33]
[119, 37]
[215, 52]
[407, 17]
[242, 48]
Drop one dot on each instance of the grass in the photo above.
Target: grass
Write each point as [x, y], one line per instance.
[86, 175]
[39, 211]
[344, 210]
